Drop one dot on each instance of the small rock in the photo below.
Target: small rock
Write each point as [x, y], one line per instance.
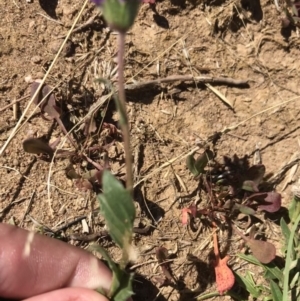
[43, 27]
[271, 134]
[28, 79]
[31, 25]
[40, 74]
[69, 11]
[36, 59]
[16, 162]
[67, 50]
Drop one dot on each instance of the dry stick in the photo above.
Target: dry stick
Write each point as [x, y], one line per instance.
[200, 79]
[83, 26]
[16, 128]
[14, 102]
[121, 103]
[27, 209]
[11, 204]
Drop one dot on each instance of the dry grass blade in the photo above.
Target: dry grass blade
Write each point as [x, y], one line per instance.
[220, 95]
[13, 103]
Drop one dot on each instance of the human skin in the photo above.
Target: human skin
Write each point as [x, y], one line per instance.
[37, 268]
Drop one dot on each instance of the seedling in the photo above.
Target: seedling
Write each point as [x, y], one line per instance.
[284, 282]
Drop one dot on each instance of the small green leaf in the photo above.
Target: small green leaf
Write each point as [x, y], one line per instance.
[294, 209]
[190, 163]
[293, 264]
[210, 295]
[272, 271]
[290, 250]
[249, 185]
[196, 167]
[295, 279]
[248, 284]
[125, 288]
[118, 210]
[276, 291]
[121, 287]
[244, 209]
[285, 230]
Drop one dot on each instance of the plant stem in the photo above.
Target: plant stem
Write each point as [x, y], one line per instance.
[121, 105]
[288, 260]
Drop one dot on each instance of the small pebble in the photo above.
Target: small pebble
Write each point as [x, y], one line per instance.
[36, 59]
[69, 11]
[40, 75]
[54, 46]
[28, 79]
[16, 162]
[271, 135]
[31, 25]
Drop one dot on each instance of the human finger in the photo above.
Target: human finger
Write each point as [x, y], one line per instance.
[32, 264]
[69, 294]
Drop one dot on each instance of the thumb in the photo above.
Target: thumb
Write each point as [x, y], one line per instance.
[69, 294]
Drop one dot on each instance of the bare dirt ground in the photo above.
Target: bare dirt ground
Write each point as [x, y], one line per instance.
[229, 39]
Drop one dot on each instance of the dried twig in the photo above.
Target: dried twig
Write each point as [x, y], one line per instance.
[200, 79]
[83, 26]
[14, 102]
[27, 209]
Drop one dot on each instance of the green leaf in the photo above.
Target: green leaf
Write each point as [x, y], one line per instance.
[190, 163]
[121, 287]
[210, 295]
[294, 209]
[196, 167]
[285, 230]
[276, 291]
[293, 264]
[119, 212]
[248, 284]
[125, 289]
[244, 209]
[288, 260]
[295, 279]
[271, 270]
[250, 186]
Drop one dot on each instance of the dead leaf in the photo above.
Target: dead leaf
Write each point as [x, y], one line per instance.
[46, 101]
[37, 146]
[264, 251]
[162, 256]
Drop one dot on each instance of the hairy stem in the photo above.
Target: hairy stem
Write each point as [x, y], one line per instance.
[121, 105]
